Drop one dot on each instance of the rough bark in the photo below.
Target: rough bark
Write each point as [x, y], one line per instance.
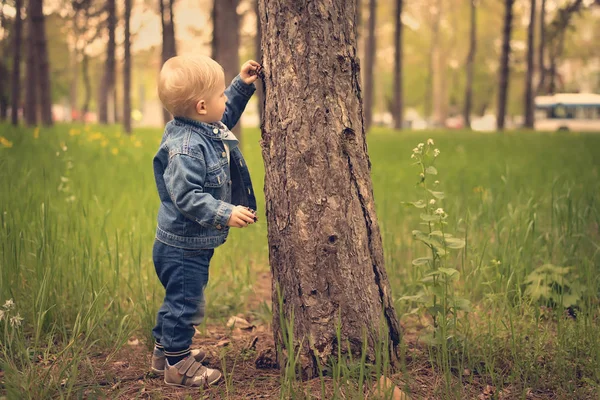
[260, 93]
[169, 47]
[470, 65]
[325, 247]
[127, 69]
[528, 101]
[370, 64]
[108, 79]
[226, 41]
[30, 110]
[16, 72]
[504, 65]
[398, 99]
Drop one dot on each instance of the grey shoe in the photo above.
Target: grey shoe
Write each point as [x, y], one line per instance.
[190, 373]
[159, 359]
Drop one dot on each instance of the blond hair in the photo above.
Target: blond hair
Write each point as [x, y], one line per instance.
[184, 80]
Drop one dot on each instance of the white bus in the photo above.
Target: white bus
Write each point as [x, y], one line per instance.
[578, 112]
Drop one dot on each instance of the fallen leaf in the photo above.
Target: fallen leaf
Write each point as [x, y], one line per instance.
[239, 323]
[223, 343]
[383, 388]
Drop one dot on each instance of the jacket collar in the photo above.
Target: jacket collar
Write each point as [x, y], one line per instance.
[213, 130]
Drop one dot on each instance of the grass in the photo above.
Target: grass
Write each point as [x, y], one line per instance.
[78, 210]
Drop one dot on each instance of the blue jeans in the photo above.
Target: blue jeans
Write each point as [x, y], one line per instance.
[184, 275]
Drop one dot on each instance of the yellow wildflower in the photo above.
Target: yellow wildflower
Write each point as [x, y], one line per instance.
[138, 143]
[5, 142]
[115, 151]
[36, 132]
[104, 143]
[74, 132]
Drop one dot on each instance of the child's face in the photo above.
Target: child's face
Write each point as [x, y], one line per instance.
[215, 103]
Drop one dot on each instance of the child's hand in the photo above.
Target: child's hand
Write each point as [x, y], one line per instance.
[241, 217]
[249, 72]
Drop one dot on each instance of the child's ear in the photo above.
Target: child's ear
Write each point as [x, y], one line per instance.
[201, 107]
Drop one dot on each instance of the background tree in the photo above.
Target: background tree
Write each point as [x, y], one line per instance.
[398, 100]
[226, 41]
[542, 47]
[504, 64]
[325, 246]
[4, 69]
[169, 47]
[127, 69]
[38, 96]
[370, 54]
[107, 98]
[528, 101]
[16, 70]
[470, 64]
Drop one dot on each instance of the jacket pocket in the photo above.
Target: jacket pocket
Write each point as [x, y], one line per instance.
[215, 178]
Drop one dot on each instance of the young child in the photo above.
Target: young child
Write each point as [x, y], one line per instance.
[204, 188]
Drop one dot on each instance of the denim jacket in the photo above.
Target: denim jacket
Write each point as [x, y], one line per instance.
[197, 186]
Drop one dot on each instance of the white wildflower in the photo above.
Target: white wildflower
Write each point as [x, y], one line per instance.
[9, 304]
[64, 179]
[71, 199]
[420, 146]
[432, 201]
[64, 148]
[440, 211]
[1, 315]
[436, 152]
[416, 150]
[422, 175]
[430, 142]
[16, 320]
[412, 155]
[436, 182]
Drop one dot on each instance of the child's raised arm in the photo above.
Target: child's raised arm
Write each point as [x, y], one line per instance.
[239, 92]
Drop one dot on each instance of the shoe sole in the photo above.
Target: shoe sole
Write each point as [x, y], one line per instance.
[205, 384]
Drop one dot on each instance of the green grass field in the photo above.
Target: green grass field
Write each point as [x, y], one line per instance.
[78, 210]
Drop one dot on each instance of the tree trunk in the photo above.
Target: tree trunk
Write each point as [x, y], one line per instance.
[226, 42]
[528, 111]
[86, 85]
[470, 65]
[504, 65]
[541, 49]
[127, 70]
[358, 20]
[370, 64]
[433, 59]
[398, 100]
[325, 246]
[16, 72]
[260, 92]
[169, 47]
[41, 49]
[31, 91]
[107, 89]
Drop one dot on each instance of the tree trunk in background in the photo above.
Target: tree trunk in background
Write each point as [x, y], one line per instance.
[470, 65]
[542, 48]
[439, 87]
[85, 63]
[107, 89]
[127, 69]
[169, 47]
[31, 80]
[260, 92]
[398, 100]
[325, 246]
[16, 72]
[226, 42]
[370, 53]
[433, 57]
[528, 110]
[504, 65]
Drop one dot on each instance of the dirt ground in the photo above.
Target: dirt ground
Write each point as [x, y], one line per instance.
[250, 371]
